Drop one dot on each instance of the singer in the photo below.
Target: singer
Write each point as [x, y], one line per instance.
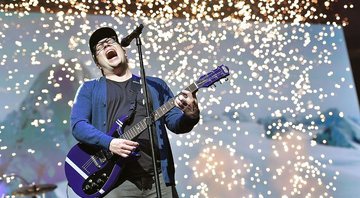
[100, 102]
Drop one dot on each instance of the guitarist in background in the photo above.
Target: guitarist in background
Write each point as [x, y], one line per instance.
[100, 102]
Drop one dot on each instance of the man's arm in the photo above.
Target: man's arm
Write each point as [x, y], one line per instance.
[80, 120]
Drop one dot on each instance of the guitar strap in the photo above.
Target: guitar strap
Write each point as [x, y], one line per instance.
[135, 89]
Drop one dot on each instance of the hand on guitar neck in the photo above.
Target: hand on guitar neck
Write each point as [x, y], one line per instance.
[188, 103]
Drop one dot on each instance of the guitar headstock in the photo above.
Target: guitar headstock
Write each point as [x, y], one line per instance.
[212, 77]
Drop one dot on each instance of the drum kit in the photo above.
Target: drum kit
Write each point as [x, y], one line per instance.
[34, 190]
[29, 190]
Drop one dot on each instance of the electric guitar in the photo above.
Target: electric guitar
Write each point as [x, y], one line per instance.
[91, 172]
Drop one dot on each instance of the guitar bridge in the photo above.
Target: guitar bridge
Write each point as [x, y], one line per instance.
[96, 163]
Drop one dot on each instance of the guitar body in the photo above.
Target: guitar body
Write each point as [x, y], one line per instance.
[91, 172]
[86, 178]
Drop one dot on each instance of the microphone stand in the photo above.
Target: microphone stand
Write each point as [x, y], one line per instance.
[149, 119]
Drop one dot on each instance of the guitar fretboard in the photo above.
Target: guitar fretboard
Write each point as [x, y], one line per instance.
[142, 125]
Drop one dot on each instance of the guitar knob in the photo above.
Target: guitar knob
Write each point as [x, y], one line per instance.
[104, 175]
[99, 181]
[87, 187]
[94, 185]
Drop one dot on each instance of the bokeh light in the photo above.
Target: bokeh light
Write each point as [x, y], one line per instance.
[276, 50]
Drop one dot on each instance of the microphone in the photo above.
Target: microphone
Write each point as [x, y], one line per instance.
[127, 40]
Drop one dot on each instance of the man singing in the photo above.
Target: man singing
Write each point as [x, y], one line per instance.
[100, 102]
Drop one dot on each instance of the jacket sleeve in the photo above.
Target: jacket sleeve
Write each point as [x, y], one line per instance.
[80, 120]
[176, 120]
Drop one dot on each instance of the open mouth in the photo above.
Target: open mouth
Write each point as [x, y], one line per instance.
[111, 54]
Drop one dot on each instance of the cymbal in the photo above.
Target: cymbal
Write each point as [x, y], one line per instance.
[34, 189]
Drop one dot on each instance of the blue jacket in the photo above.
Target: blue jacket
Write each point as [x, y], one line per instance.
[89, 115]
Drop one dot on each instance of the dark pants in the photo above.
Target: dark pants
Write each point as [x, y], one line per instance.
[142, 187]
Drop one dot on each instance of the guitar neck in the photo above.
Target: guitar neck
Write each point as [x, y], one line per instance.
[141, 126]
